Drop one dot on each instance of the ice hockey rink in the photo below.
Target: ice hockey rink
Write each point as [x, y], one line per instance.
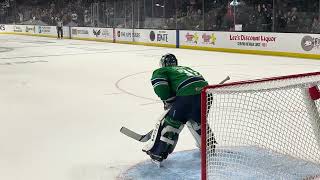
[62, 102]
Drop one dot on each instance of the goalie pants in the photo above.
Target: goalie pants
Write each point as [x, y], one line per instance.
[185, 108]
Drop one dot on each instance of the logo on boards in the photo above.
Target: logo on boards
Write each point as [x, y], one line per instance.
[96, 32]
[128, 34]
[209, 38]
[2, 27]
[160, 36]
[193, 38]
[79, 31]
[308, 43]
[44, 29]
[30, 29]
[17, 29]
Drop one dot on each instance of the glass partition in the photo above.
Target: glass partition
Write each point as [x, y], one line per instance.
[215, 15]
[298, 16]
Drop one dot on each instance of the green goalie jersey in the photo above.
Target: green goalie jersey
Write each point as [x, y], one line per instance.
[173, 81]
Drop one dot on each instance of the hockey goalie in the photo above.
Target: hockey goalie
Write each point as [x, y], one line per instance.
[179, 88]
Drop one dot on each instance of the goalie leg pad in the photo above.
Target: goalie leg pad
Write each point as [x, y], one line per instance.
[195, 130]
[165, 141]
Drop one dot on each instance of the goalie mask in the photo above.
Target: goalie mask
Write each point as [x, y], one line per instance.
[168, 60]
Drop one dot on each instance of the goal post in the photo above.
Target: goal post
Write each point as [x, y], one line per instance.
[260, 124]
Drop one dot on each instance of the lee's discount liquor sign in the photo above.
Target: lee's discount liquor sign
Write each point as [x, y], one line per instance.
[252, 40]
[275, 42]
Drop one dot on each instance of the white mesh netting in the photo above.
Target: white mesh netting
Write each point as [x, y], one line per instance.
[264, 130]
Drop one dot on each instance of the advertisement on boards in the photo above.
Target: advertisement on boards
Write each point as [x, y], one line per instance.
[198, 38]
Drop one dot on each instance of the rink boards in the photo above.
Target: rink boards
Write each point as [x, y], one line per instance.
[278, 44]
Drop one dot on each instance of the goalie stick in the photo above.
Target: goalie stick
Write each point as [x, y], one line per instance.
[146, 137]
[136, 136]
[139, 137]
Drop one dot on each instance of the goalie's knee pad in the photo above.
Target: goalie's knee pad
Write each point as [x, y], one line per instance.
[163, 139]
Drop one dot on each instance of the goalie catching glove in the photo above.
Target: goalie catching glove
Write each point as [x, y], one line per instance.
[163, 139]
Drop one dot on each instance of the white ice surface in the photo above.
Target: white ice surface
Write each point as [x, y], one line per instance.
[233, 163]
[62, 102]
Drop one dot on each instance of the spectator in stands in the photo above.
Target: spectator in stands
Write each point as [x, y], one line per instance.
[292, 20]
[281, 21]
[315, 27]
[268, 13]
[304, 23]
[291, 16]
[261, 17]
[86, 18]
[20, 15]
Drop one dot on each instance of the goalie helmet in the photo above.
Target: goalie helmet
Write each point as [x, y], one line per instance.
[168, 60]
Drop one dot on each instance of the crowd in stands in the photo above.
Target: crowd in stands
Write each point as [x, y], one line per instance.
[71, 12]
[252, 15]
[216, 15]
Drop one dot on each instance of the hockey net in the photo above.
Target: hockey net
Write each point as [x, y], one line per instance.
[264, 129]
